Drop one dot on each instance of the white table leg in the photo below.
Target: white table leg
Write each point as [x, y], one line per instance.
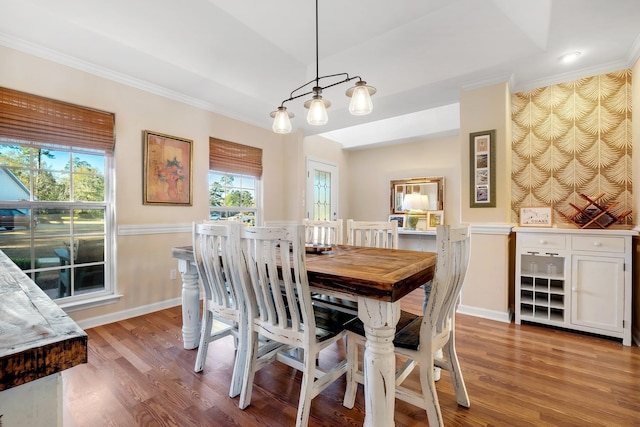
[380, 320]
[190, 304]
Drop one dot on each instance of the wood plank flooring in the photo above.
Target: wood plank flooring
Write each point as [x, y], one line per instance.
[516, 375]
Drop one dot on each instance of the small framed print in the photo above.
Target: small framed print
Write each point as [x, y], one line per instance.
[482, 150]
[535, 217]
[399, 218]
[434, 219]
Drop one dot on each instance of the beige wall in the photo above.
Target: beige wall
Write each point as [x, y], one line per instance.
[489, 278]
[371, 171]
[483, 109]
[144, 261]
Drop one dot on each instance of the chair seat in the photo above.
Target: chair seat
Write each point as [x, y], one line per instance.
[330, 323]
[407, 330]
[341, 304]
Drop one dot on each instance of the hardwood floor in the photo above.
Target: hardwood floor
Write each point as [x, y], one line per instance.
[516, 375]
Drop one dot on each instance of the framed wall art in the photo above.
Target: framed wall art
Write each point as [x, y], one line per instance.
[167, 172]
[434, 219]
[482, 153]
[535, 217]
[399, 218]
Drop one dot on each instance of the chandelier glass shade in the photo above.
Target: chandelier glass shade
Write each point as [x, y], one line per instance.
[317, 106]
[359, 105]
[360, 94]
[281, 120]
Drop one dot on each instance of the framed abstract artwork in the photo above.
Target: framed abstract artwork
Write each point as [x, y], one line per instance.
[167, 170]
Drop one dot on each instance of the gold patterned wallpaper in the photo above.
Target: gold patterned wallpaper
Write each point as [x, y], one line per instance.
[569, 139]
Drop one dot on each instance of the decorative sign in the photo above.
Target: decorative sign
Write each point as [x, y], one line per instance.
[535, 217]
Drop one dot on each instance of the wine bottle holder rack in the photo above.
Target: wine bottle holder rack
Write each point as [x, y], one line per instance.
[594, 214]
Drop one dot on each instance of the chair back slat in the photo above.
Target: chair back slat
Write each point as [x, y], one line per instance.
[453, 246]
[279, 299]
[215, 249]
[375, 234]
[323, 232]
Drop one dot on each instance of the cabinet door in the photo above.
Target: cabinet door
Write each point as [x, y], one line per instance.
[597, 299]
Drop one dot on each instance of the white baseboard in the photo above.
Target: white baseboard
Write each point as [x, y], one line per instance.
[499, 316]
[127, 314]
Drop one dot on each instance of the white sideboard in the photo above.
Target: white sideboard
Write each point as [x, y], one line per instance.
[417, 240]
[575, 279]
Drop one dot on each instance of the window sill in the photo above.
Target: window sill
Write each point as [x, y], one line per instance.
[90, 303]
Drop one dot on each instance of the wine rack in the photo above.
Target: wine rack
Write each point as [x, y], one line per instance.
[594, 214]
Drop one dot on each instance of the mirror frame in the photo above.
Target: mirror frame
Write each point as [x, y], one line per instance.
[395, 208]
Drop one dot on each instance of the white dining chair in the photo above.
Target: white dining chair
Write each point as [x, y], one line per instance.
[327, 233]
[418, 338]
[216, 250]
[374, 234]
[215, 246]
[282, 223]
[279, 306]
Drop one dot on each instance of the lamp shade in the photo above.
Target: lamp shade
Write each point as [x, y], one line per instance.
[360, 104]
[415, 202]
[281, 120]
[317, 114]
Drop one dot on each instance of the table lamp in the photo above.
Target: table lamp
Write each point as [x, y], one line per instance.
[415, 204]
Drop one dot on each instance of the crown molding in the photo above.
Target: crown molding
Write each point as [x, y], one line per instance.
[106, 73]
[608, 67]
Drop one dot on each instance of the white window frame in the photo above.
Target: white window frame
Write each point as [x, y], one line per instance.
[258, 210]
[109, 294]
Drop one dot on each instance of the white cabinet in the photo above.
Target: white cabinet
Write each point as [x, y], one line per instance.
[597, 280]
[575, 279]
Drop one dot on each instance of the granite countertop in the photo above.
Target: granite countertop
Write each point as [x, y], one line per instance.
[37, 338]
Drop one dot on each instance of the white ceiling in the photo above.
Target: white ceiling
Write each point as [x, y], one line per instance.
[242, 58]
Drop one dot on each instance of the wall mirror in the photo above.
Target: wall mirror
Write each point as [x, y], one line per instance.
[432, 188]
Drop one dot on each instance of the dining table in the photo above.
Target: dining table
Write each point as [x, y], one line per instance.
[374, 277]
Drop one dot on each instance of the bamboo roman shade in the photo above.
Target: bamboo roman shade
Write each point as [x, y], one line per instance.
[235, 158]
[34, 118]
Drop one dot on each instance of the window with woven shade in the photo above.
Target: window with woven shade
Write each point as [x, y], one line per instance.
[235, 172]
[56, 193]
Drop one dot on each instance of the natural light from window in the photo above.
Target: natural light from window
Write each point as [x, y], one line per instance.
[54, 209]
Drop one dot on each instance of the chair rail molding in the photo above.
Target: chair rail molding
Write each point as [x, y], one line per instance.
[493, 228]
[139, 229]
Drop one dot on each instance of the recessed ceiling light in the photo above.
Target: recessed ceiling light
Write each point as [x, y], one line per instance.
[570, 57]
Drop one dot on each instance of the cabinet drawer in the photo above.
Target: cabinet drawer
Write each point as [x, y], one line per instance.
[543, 241]
[597, 244]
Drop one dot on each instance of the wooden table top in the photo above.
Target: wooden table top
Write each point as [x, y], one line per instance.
[37, 338]
[381, 274]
